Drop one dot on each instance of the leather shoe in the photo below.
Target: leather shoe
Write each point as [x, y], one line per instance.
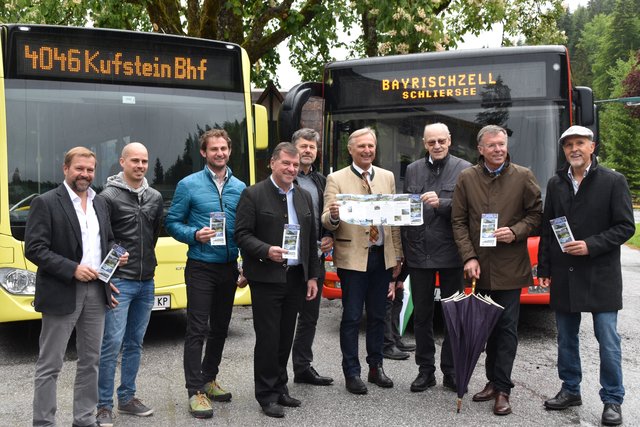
[355, 385]
[612, 414]
[378, 377]
[394, 353]
[488, 392]
[423, 381]
[449, 381]
[501, 405]
[563, 400]
[310, 376]
[288, 401]
[403, 346]
[273, 410]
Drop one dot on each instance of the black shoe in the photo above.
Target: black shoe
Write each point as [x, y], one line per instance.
[449, 381]
[394, 353]
[378, 377]
[355, 385]
[288, 401]
[423, 381]
[612, 414]
[563, 400]
[273, 410]
[310, 376]
[403, 346]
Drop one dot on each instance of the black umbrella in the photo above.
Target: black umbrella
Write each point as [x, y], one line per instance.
[470, 319]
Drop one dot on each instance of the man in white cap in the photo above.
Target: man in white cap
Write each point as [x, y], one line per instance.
[579, 258]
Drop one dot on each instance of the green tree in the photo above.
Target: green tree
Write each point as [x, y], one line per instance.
[619, 129]
[310, 27]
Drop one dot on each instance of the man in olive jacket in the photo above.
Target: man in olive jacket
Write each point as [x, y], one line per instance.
[497, 186]
[585, 273]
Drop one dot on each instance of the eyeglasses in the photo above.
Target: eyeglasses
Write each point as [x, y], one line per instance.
[432, 142]
[500, 145]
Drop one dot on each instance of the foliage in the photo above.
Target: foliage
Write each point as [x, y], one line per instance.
[619, 130]
[635, 240]
[310, 27]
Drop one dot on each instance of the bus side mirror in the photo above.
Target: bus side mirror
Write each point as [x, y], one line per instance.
[260, 128]
[584, 101]
[291, 109]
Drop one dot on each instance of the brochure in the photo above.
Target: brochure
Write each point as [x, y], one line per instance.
[488, 226]
[217, 223]
[561, 229]
[380, 209]
[291, 240]
[110, 263]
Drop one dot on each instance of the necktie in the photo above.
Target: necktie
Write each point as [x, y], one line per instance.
[373, 230]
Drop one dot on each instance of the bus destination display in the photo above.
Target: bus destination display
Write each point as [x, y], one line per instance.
[126, 62]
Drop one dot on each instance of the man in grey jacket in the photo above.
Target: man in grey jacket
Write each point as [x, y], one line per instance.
[136, 216]
[430, 249]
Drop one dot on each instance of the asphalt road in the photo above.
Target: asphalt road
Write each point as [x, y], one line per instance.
[161, 380]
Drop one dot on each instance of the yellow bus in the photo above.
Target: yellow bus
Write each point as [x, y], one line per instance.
[62, 87]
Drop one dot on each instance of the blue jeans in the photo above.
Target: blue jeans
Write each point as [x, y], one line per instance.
[569, 369]
[360, 288]
[124, 328]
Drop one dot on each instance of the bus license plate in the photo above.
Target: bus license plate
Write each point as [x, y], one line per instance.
[162, 302]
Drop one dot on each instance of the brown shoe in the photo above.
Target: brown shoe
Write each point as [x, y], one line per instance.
[502, 406]
[488, 393]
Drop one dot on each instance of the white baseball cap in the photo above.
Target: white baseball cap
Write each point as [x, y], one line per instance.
[576, 131]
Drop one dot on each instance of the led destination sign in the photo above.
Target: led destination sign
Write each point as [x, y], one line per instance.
[99, 64]
[392, 85]
[127, 60]
[440, 86]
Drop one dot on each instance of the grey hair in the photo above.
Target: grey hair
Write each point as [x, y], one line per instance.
[306, 133]
[360, 132]
[491, 129]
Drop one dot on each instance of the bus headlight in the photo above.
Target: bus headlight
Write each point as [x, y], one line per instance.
[17, 281]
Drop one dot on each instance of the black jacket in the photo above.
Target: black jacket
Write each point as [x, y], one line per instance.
[53, 242]
[321, 182]
[601, 214]
[431, 245]
[136, 223]
[260, 219]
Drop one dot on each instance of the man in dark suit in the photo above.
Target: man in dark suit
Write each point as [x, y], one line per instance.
[67, 236]
[279, 278]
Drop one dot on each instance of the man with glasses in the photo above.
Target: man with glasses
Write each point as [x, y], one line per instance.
[501, 202]
[430, 249]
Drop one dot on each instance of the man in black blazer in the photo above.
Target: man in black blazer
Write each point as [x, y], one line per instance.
[280, 278]
[67, 236]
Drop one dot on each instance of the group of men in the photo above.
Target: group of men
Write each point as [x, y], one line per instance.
[284, 226]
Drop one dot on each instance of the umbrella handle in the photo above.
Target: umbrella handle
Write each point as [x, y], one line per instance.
[473, 285]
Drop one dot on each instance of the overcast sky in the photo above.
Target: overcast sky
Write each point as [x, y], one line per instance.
[289, 77]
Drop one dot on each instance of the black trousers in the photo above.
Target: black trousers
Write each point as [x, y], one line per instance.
[423, 283]
[211, 289]
[503, 341]
[392, 320]
[275, 308]
[302, 353]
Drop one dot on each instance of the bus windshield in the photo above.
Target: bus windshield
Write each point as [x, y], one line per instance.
[532, 129]
[46, 118]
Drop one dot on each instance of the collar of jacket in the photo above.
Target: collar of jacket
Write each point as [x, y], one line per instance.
[483, 167]
[563, 171]
[208, 172]
[437, 165]
[359, 175]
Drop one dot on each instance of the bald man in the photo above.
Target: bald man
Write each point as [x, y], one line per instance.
[136, 216]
